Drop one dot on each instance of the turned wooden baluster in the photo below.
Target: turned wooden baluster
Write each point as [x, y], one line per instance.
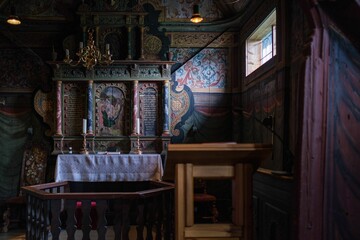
[125, 220]
[31, 224]
[29, 217]
[42, 219]
[101, 206]
[55, 220]
[159, 216]
[168, 220]
[121, 219]
[86, 219]
[140, 220]
[70, 206]
[150, 218]
[117, 219]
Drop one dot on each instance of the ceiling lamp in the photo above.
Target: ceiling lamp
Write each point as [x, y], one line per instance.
[13, 19]
[196, 18]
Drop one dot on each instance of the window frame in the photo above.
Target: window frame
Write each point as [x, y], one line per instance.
[253, 48]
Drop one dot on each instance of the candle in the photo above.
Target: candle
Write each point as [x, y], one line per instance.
[84, 126]
[67, 52]
[81, 45]
[137, 125]
[108, 49]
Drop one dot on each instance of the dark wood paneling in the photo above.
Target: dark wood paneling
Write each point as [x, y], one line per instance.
[272, 204]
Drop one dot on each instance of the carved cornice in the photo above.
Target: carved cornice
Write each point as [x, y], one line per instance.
[118, 71]
[189, 39]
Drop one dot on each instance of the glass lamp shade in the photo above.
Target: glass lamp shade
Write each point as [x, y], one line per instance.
[196, 18]
[13, 19]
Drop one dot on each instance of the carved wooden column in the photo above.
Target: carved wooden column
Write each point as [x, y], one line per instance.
[166, 108]
[83, 37]
[128, 22]
[135, 113]
[58, 109]
[90, 107]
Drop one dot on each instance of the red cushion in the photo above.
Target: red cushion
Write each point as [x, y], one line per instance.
[203, 197]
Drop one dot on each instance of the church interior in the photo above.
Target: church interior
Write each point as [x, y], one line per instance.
[192, 119]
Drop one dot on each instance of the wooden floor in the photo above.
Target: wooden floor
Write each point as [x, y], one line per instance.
[13, 234]
[19, 234]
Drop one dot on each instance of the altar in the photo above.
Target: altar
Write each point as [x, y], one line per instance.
[108, 167]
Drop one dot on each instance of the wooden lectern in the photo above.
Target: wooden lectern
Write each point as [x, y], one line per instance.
[214, 161]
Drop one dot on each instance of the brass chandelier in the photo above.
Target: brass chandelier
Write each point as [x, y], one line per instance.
[90, 55]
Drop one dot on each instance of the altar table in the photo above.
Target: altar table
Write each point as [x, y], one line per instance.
[108, 167]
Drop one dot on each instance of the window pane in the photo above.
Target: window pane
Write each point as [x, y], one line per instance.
[261, 45]
[266, 45]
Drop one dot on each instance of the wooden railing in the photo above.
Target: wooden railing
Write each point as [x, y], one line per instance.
[87, 206]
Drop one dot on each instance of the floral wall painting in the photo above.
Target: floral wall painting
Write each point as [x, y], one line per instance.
[202, 74]
[206, 71]
[110, 111]
[182, 10]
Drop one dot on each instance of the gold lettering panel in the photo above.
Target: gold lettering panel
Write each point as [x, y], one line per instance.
[74, 108]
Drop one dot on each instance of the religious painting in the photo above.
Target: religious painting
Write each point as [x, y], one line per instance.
[116, 40]
[110, 102]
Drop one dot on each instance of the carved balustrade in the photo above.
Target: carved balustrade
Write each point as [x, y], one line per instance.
[54, 208]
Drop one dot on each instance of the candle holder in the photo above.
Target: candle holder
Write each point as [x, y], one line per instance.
[138, 150]
[90, 55]
[84, 150]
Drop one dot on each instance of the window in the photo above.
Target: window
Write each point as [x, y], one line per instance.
[261, 45]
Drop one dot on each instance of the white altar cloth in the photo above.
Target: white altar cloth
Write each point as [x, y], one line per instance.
[99, 168]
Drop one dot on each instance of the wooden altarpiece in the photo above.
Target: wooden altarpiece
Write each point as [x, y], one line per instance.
[112, 98]
[125, 103]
